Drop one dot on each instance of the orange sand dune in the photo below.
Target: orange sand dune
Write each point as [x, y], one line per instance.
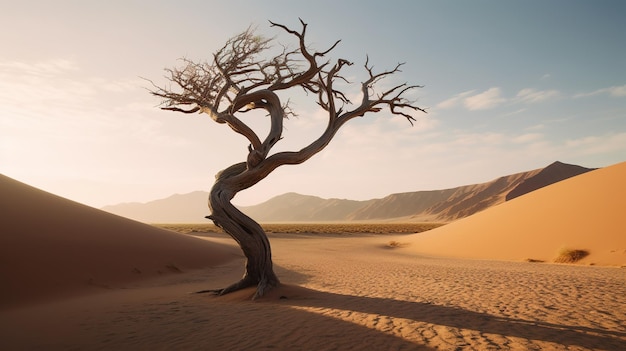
[50, 246]
[585, 212]
[342, 292]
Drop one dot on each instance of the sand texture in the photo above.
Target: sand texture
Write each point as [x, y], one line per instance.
[74, 278]
[344, 294]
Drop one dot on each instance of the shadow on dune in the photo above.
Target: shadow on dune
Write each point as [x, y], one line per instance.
[281, 327]
[188, 324]
[448, 316]
[569, 335]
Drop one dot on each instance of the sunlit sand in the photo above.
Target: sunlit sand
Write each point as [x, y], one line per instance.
[76, 278]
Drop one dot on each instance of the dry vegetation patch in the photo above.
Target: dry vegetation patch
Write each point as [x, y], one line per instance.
[532, 260]
[571, 256]
[393, 244]
[314, 228]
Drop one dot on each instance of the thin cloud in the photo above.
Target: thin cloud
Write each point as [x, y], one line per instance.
[488, 99]
[39, 88]
[36, 88]
[479, 139]
[537, 127]
[614, 91]
[516, 112]
[530, 95]
[492, 98]
[527, 138]
[454, 101]
[47, 67]
[598, 144]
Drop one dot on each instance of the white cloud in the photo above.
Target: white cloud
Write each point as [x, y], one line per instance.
[488, 99]
[617, 91]
[516, 112]
[42, 97]
[47, 67]
[536, 127]
[453, 101]
[614, 91]
[479, 139]
[527, 138]
[598, 144]
[492, 97]
[530, 95]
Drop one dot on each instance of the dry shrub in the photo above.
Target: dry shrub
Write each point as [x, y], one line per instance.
[532, 260]
[396, 244]
[571, 256]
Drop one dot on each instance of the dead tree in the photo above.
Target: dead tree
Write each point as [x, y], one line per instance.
[240, 79]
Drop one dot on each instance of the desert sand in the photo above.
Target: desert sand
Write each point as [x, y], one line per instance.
[586, 212]
[76, 278]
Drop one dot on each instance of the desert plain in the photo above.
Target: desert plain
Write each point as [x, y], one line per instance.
[76, 278]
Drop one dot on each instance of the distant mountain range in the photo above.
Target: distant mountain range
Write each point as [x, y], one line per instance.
[433, 205]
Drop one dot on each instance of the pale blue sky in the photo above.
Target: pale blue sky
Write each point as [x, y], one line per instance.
[509, 85]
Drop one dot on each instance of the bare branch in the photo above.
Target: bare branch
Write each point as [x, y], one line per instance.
[240, 79]
[244, 76]
[176, 109]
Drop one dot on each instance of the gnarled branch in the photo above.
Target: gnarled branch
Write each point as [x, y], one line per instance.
[244, 77]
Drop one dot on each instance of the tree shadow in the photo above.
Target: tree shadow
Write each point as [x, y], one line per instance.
[569, 335]
[450, 316]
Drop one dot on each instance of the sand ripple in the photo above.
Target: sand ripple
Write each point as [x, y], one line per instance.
[347, 294]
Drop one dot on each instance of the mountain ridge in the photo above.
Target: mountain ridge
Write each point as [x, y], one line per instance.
[444, 205]
[554, 172]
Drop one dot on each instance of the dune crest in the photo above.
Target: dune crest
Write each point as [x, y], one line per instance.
[580, 213]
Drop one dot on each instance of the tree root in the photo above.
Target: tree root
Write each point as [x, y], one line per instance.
[263, 287]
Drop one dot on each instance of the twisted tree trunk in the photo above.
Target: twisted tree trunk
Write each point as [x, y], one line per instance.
[244, 230]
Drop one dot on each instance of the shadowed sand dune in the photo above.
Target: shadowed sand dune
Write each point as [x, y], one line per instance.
[585, 212]
[555, 172]
[50, 246]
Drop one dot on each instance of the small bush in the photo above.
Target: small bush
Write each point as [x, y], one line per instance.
[571, 256]
[395, 244]
[532, 260]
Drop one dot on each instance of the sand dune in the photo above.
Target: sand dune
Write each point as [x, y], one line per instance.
[76, 278]
[585, 212]
[50, 247]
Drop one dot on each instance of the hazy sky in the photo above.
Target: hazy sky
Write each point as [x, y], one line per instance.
[510, 86]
